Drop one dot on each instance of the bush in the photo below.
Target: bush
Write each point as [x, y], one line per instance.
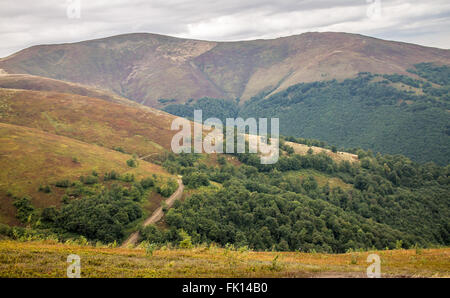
[168, 188]
[132, 163]
[147, 183]
[45, 189]
[89, 179]
[62, 183]
[221, 160]
[5, 230]
[195, 180]
[113, 175]
[24, 209]
[186, 242]
[49, 214]
[128, 177]
[101, 217]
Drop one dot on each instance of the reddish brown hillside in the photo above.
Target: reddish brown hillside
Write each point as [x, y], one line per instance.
[148, 67]
[92, 120]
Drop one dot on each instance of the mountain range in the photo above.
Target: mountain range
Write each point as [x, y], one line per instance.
[149, 67]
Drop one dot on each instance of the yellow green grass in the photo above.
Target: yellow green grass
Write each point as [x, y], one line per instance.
[48, 259]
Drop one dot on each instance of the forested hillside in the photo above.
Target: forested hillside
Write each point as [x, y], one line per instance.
[394, 114]
[309, 203]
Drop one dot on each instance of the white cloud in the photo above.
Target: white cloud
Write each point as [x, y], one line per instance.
[30, 22]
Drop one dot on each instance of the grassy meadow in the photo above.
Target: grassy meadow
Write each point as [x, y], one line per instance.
[48, 259]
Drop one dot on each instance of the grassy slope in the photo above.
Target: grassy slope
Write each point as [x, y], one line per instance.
[48, 259]
[338, 156]
[91, 120]
[37, 83]
[30, 157]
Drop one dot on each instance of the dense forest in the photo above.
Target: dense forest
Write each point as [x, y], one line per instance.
[303, 203]
[384, 201]
[96, 208]
[393, 114]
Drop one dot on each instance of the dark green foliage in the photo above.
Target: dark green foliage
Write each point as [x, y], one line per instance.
[433, 73]
[168, 188]
[211, 108]
[62, 183]
[165, 100]
[49, 214]
[45, 189]
[132, 163]
[195, 180]
[24, 209]
[127, 177]
[119, 149]
[90, 179]
[113, 175]
[264, 207]
[221, 160]
[147, 182]
[100, 217]
[5, 230]
[97, 213]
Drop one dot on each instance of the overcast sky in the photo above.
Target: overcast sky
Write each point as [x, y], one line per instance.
[29, 22]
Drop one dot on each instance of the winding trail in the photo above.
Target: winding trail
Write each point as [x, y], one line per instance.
[156, 215]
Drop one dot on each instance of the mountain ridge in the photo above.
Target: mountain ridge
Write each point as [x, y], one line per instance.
[147, 67]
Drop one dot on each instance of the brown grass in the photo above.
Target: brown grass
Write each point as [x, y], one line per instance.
[87, 119]
[48, 259]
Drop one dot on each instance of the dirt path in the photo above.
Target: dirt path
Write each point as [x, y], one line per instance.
[156, 215]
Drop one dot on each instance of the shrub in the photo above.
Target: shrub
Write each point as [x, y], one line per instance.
[119, 149]
[128, 177]
[167, 188]
[195, 180]
[45, 189]
[147, 183]
[24, 209]
[132, 163]
[62, 183]
[221, 160]
[113, 175]
[89, 179]
[49, 214]
[5, 229]
[186, 242]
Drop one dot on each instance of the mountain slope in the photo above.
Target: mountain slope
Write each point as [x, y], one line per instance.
[37, 83]
[148, 67]
[31, 158]
[393, 114]
[136, 130]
